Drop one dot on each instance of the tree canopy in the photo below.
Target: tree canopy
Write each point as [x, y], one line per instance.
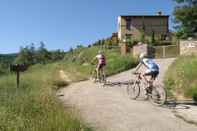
[31, 55]
[185, 14]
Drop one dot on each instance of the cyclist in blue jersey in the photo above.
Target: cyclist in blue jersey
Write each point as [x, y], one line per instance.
[151, 66]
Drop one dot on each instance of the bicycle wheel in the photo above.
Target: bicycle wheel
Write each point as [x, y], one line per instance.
[158, 95]
[103, 78]
[93, 76]
[133, 90]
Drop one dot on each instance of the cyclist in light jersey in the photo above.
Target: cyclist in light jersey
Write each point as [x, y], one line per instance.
[101, 62]
[152, 67]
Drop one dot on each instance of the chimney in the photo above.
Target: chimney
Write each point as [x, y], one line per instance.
[159, 13]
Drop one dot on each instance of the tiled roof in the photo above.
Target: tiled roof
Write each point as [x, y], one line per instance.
[144, 15]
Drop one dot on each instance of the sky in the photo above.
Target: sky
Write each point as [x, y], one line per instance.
[62, 24]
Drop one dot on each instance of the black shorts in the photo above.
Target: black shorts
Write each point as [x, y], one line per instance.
[153, 74]
[100, 66]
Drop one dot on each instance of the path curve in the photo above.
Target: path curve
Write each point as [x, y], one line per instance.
[110, 109]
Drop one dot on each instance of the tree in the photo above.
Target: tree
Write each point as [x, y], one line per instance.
[142, 35]
[185, 18]
[80, 46]
[32, 53]
[42, 54]
[153, 38]
[23, 56]
[57, 55]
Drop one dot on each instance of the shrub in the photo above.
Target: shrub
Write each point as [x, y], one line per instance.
[195, 97]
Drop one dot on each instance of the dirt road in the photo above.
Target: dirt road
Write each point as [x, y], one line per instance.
[110, 109]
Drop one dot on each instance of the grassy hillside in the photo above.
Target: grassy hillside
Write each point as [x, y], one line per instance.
[181, 77]
[34, 106]
[83, 57]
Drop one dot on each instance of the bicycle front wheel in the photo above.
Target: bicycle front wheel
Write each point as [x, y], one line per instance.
[133, 90]
[158, 95]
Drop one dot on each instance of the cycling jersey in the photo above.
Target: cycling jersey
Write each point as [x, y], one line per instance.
[101, 59]
[150, 64]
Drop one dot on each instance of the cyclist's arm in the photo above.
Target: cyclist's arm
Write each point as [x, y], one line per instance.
[93, 60]
[138, 67]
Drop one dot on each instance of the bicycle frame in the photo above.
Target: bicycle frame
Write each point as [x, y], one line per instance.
[100, 76]
[141, 79]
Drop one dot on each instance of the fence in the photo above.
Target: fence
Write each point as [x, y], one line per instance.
[164, 51]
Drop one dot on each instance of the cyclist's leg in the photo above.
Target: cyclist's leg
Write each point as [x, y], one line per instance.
[154, 75]
[149, 86]
[103, 72]
[147, 73]
[97, 71]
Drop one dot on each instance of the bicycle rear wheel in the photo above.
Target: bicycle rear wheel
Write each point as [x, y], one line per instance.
[158, 95]
[133, 90]
[93, 76]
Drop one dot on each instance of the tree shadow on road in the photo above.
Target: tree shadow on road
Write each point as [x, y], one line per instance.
[184, 104]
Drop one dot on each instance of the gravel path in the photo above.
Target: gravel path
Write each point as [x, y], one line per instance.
[110, 109]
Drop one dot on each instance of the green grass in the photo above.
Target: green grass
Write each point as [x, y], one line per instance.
[34, 106]
[181, 77]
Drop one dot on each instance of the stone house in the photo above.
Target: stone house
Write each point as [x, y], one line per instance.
[131, 26]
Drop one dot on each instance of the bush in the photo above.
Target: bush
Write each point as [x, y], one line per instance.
[195, 97]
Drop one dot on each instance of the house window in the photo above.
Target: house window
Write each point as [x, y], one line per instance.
[128, 24]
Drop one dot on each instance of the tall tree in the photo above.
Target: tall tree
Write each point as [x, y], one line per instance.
[42, 54]
[23, 56]
[186, 18]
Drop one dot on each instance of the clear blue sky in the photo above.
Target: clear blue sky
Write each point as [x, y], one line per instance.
[62, 24]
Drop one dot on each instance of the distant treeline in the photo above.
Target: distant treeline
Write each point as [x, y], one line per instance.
[30, 55]
[5, 61]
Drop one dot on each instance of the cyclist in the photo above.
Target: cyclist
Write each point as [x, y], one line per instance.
[151, 66]
[100, 57]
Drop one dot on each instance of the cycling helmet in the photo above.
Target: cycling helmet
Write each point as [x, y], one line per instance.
[100, 52]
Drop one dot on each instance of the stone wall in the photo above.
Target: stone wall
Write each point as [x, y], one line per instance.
[140, 48]
[188, 47]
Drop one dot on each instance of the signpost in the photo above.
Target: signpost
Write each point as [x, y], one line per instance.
[18, 68]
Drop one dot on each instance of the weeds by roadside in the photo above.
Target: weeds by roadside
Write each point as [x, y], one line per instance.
[181, 77]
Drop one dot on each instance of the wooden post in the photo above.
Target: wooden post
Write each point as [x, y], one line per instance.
[18, 78]
[17, 68]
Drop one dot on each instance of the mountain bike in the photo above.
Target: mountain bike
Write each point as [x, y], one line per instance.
[101, 78]
[156, 94]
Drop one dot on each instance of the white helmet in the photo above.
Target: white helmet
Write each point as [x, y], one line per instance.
[100, 52]
[141, 56]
